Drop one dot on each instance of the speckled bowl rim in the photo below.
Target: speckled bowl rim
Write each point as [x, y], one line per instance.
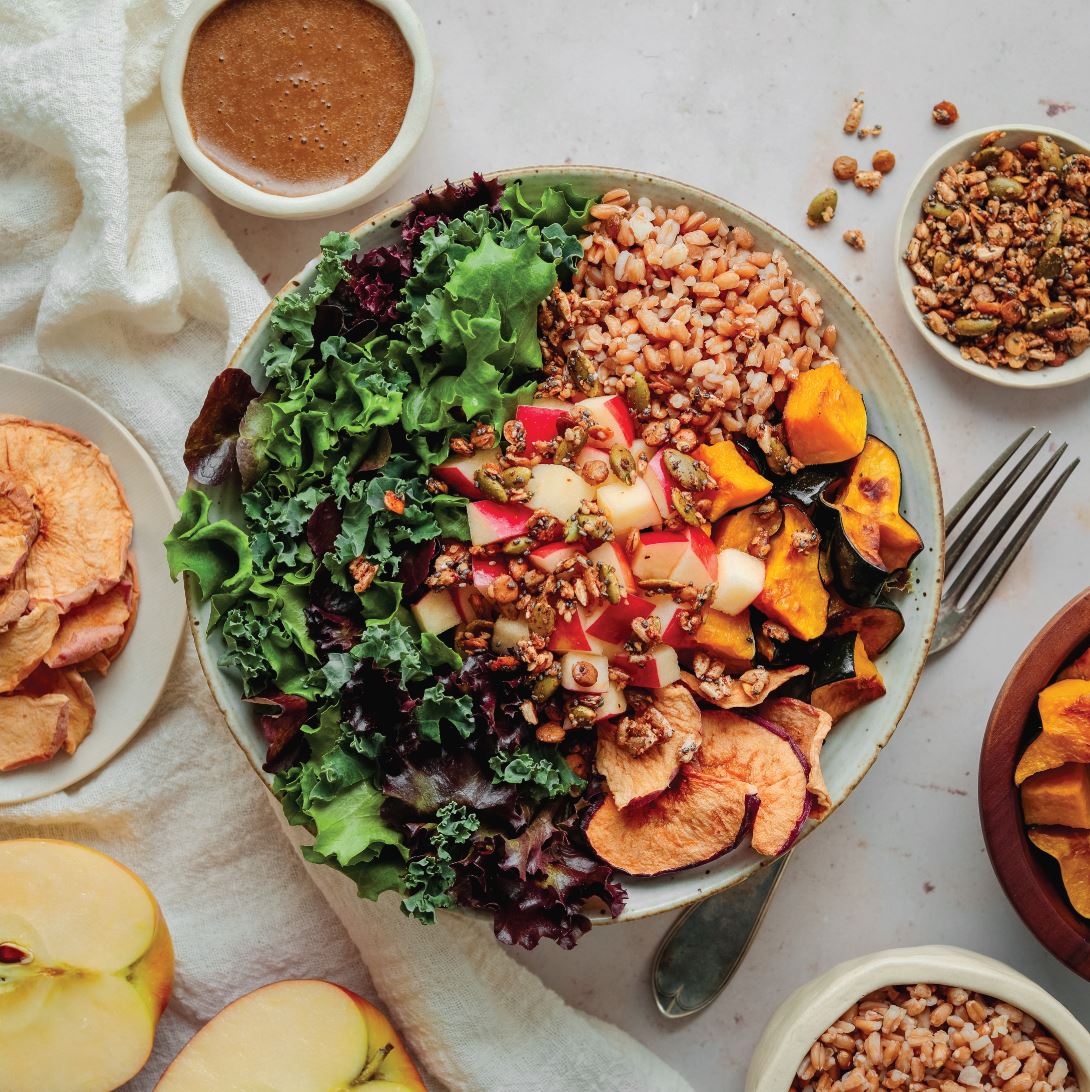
[812, 1008]
[377, 178]
[911, 410]
[1074, 370]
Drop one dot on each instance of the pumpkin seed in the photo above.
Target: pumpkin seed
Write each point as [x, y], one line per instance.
[576, 438]
[1015, 343]
[686, 507]
[1048, 154]
[581, 715]
[639, 394]
[779, 458]
[1005, 187]
[545, 688]
[515, 547]
[572, 530]
[491, 485]
[583, 372]
[610, 581]
[594, 526]
[1050, 264]
[974, 327]
[987, 155]
[1054, 315]
[1054, 222]
[516, 477]
[542, 618]
[822, 208]
[624, 466]
[939, 263]
[938, 209]
[685, 470]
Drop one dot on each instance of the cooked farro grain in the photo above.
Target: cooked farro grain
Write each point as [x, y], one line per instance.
[718, 329]
[934, 1037]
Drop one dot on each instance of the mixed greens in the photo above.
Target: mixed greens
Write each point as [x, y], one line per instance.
[412, 769]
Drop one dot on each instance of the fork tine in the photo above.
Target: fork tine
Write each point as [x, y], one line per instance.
[961, 543]
[1014, 547]
[978, 487]
[1006, 521]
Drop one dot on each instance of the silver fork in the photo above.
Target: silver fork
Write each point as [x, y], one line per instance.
[706, 945]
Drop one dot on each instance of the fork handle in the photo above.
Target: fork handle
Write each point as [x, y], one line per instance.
[708, 942]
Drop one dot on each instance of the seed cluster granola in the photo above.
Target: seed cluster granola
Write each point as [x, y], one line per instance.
[1002, 251]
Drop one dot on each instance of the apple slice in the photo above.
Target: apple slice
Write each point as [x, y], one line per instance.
[670, 616]
[736, 696]
[436, 612]
[460, 472]
[659, 669]
[613, 623]
[612, 553]
[507, 632]
[629, 507]
[486, 570]
[86, 966]
[741, 580]
[610, 411]
[658, 554]
[584, 673]
[807, 727]
[638, 779]
[558, 490]
[552, 555]
[758, 752]
[541, 420]
[699, 564]
[661, 484]
[614, 703]
[490, 521]
[301, 1035]
[570, 634]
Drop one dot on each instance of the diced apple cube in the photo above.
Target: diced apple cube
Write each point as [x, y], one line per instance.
[552, 555]
[463, 600]
[507, 632]
[584, 672]
[658, 554]
[699, 565]
[614, 623]
[610, 411]
[491, 522]
[629, 507]
[670, 616]
[460, 472]
[436, 612]
[613, 704]
[540, 420]
[661, 484]
[661, 668]
[612, 553]
[558, 490]
[486, 570]
[596, 455]
[741, 579]
[570, 635]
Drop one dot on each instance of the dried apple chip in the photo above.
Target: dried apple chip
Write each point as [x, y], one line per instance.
[14, 600]
[94, 626]
[806, 726]
[34, 728]
[25, 642]
[737, 696]
[71, 685]
[86, 526]
[1071, 848]
[18, 528]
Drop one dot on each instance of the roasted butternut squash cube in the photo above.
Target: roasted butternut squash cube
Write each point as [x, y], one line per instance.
[736, 482]
[1059, 797]
[794, 594]
[748, 527]
[824, 416]
[1048, 752]
[1071, 848]
[1065, 709]
[1079, 668]
[729, 637]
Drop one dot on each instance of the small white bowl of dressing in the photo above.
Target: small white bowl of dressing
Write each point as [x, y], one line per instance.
[297, 109]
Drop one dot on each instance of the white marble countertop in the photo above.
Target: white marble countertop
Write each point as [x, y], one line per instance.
[747, 99]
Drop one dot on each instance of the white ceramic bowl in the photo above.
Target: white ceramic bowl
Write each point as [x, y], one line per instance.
[329, 202]
[963, 146]
[812, 1008]
[894, 416]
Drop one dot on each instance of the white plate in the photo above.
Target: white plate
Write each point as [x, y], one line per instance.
[124, 697]
[894, 416]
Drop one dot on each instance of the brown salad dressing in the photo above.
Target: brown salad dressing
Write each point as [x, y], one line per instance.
[297, 96]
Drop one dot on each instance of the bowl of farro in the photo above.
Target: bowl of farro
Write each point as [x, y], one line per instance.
[929, 1017]
[992, 253]
[477, 455]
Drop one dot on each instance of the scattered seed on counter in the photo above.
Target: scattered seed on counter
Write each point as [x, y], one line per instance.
[868, 180]
[855, 114]
[944, 113]
[822, 208]
[854, 238]
[871, 131]
[883, 160]
[844, 168]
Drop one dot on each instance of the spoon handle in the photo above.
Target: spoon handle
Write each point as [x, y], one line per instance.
[707, 943]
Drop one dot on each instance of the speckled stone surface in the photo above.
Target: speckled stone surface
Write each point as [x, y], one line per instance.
[747, 99]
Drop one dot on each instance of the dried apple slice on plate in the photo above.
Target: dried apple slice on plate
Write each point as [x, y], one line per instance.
[807, 727]
[25, 642]
[18, 528]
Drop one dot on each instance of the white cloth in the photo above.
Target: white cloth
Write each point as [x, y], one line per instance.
[134, 296]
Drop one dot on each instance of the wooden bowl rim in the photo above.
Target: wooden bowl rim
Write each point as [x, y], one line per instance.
[1041, 903]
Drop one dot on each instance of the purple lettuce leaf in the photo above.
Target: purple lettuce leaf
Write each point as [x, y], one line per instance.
[281, 730]
[210, 444]
[323, 526]
[414, 569]
[435, 206]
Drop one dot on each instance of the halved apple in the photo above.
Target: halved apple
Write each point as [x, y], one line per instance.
[86, 966]
[301, 1035]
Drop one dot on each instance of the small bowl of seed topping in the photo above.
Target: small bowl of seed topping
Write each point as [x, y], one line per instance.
[993, 255]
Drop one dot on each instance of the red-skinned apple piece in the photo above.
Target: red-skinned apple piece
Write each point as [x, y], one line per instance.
[486, 570]
[659, 669]
[541, 420]
[570, 634]
[661, 484]
[612, 553]
[302, 1035]
[629, 507]
[610, 411]
[741, 578]
[614, 623]
[699, 564]
[460, 472]
[490, 521]
[558, 490]
[552, 555]
[584, 672]
[658, 554]
[437, 612]
[614, 703]
[590, 454]
[670, 616]
[86, 967]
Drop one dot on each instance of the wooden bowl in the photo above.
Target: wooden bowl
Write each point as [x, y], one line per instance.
[1030, 878]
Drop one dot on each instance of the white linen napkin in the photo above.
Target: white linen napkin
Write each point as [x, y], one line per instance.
[134, 296]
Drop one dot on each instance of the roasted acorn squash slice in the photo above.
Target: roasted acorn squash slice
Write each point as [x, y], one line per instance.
[878, 625]
[748, 526]
[844, 676]
[794, 594]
